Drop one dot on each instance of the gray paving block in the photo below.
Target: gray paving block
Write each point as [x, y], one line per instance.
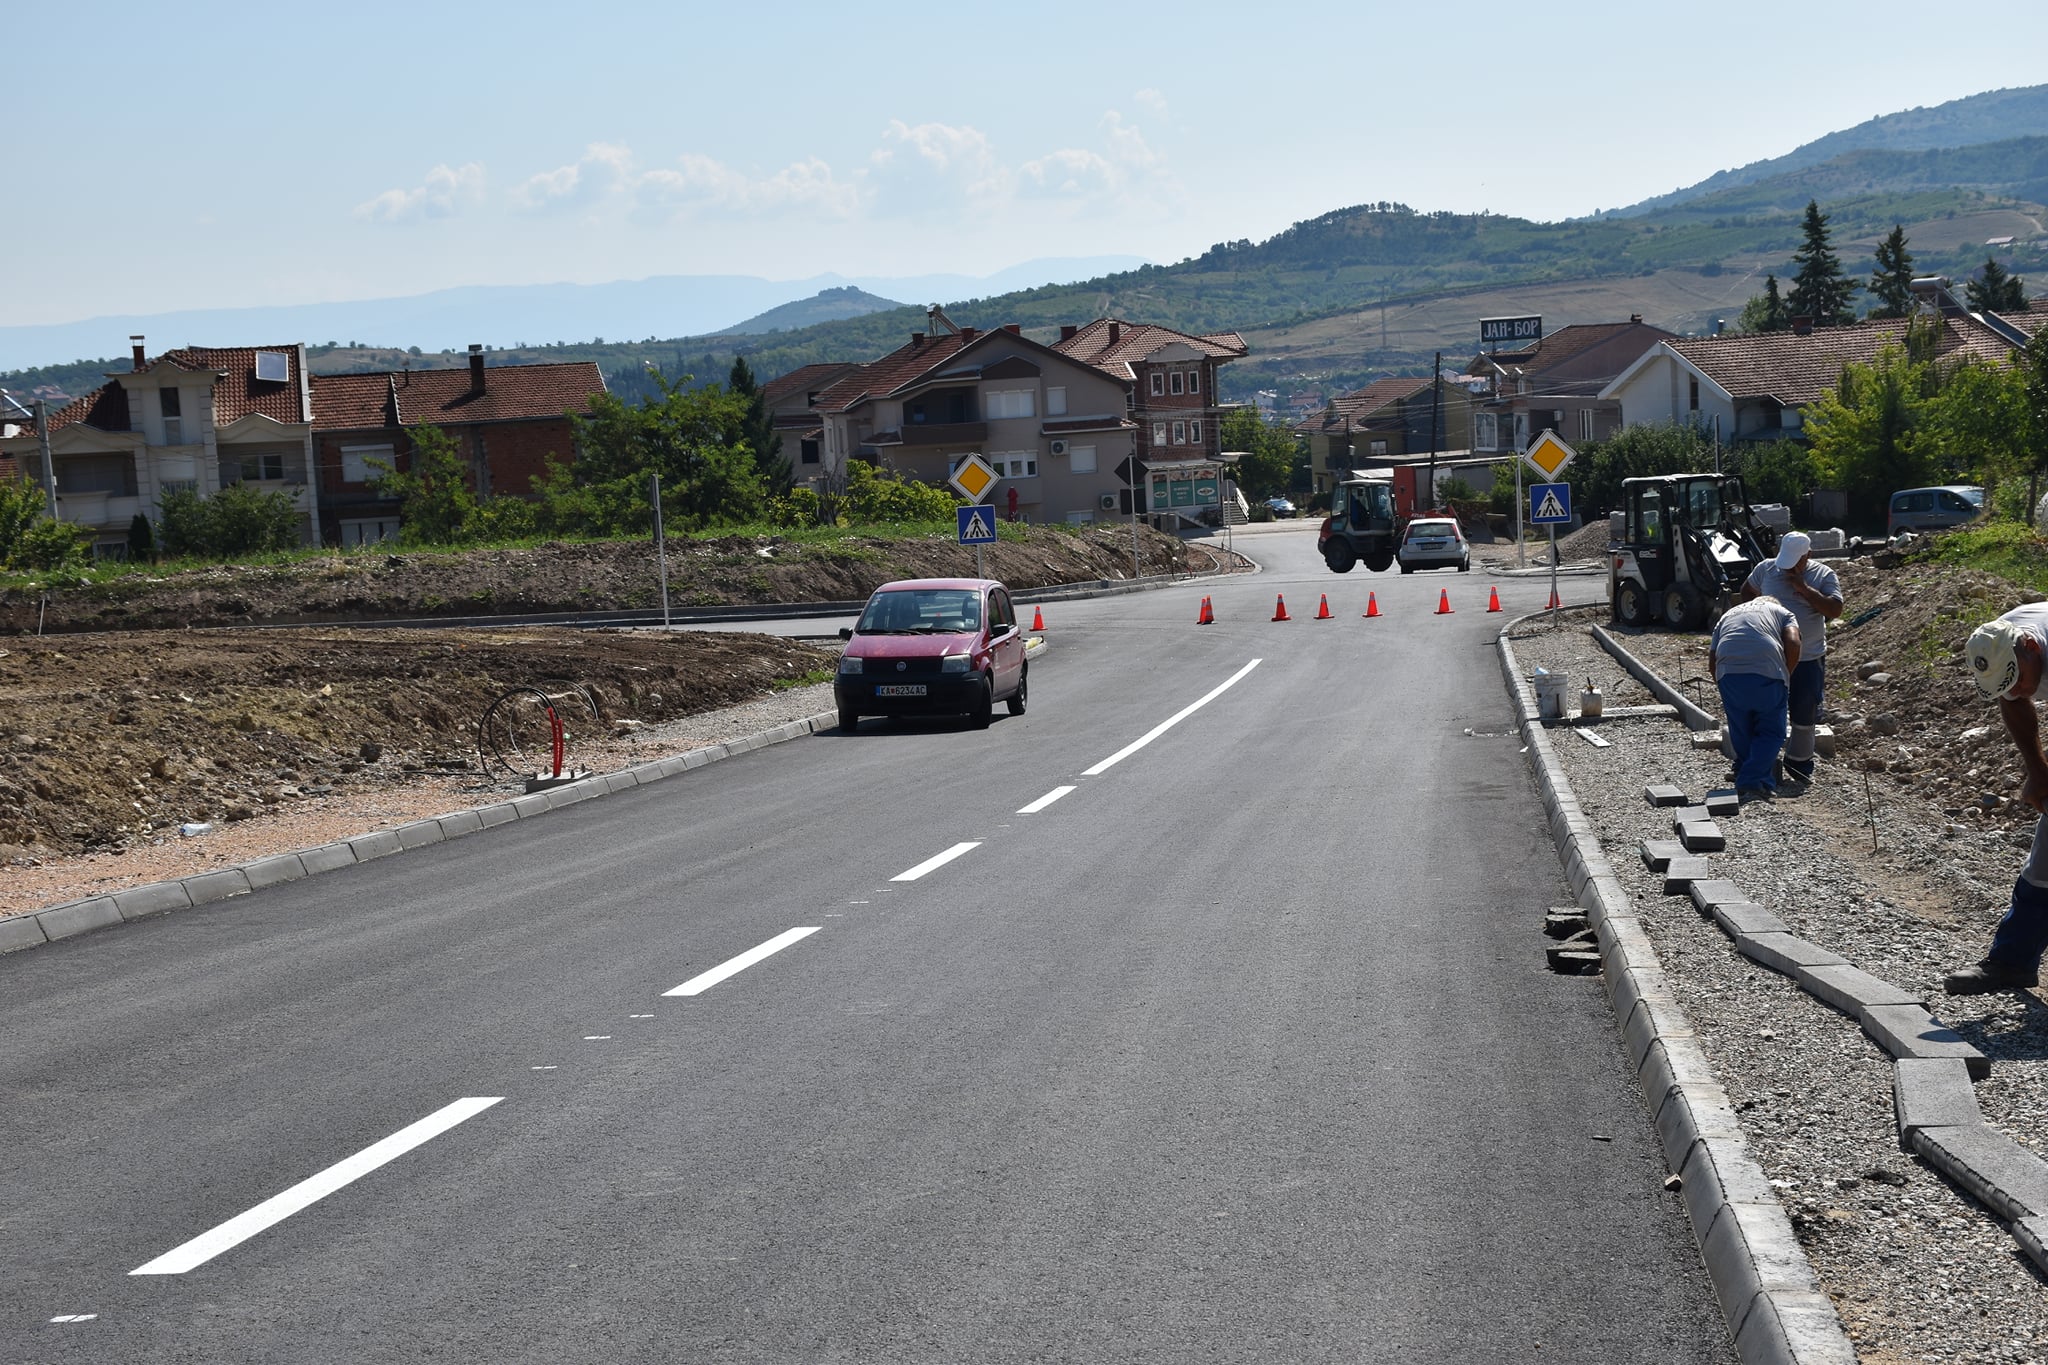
[498, 813]
[1689, 1113]
[1658, 853]
[1787, 953]
[416, 833]
[2030, 1234]
[533, 803]
[2005, 1177]
[1737, 918]
[1702, 836]
[1851, 989]
[152, 899]
[327, 857]
[1681, 873]
[1664, 794]
[1910, 1031]
[62, 921]
[1723, 804]
[21, 931]
[1933, 1092]
[1793, 1327]
[1689, 815]
[1750, 1250]
[1717, 1171]
[282, 867]
[1712, 891]
[458, 823]
[375, 844]
[208, 887]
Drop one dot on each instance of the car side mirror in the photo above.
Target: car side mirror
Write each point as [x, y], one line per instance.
[846, 632]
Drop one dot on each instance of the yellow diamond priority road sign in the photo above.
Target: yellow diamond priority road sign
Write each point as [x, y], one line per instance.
[973, 476]
[1549, 454]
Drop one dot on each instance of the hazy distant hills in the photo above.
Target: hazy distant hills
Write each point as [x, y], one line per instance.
[827, 305]
[1995, 116]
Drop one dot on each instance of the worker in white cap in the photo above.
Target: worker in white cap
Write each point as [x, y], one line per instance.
[1814, 594]
[2005, 658]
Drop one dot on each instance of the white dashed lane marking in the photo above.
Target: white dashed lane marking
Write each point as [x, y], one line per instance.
[697, 985]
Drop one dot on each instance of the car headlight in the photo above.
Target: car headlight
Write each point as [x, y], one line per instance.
[850, 663]
[956, 663]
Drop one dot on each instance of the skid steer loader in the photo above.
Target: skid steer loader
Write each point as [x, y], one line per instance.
[1688, 543]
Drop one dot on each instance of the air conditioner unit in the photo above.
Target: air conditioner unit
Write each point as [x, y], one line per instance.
[1107, 502]
[1059, 447]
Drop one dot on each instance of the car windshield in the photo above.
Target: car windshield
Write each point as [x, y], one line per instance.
[1430, 530]
[921, 611]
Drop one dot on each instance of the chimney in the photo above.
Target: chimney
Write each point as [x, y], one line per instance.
[135, 346]
[969, 333]
[1802, 326]
[1067, 330]
[1635, 317]
[1116, 332]
[917, 338]
[1015, 329]
[476, 369]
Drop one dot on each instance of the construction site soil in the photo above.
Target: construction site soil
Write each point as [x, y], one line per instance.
[135, 714]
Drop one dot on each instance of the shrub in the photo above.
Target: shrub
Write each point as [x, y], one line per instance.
[233, 523]
[29, 539]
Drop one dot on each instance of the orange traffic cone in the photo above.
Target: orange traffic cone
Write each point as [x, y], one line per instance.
[1323, 611]
[1372, 605]
[1280, 608]
[1493, 599]
[1554, 603]
[1443, 604]
[1037, 619]
[1208, 617]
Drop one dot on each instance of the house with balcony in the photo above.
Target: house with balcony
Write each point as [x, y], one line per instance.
[1556, 384]
[1054, 428]
[507, 421]
[1387, 422]
[199, 418]
[792, 403]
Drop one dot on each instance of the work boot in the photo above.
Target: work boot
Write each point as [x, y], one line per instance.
[1799, 770]
[1988, 976]
[1748, 794]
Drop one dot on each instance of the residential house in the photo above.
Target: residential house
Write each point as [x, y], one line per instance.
[1557, 384]
[1388, 421]
[1754, 386]
[792, 403]
[198, 418]
[507, 422]
[1054, 427]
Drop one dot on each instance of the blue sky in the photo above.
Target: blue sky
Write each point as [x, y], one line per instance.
[212, 155]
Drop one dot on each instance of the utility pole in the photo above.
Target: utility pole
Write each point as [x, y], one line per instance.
[49, 468]
[1436, 397]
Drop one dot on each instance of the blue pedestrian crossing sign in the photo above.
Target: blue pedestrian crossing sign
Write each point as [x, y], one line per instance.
[1550, 503]
[977, 524]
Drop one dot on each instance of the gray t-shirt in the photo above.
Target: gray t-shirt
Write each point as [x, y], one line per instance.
[1749, 639]
[1772, 581]
[2032, 617]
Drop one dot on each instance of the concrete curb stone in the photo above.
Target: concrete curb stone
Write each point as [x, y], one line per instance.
[416, 833]
[459, 823]
[1737, 918]
[22, 931]
[2032, 1235]
[280, 867]
[62, 921]
[328, 857]
[1910, 1031]
[1852, 990]
[2006, 1178]
[138, 901]
[1787, 953]
[1932, 1092]
[208, 887]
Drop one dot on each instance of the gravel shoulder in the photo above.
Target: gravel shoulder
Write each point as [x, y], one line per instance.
[1877, 866]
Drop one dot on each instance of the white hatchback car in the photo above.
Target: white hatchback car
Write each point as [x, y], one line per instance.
[1434, 543]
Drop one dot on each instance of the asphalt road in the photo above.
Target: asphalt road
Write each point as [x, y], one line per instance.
[1239, 1047]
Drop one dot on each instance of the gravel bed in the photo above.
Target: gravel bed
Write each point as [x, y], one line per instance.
[1916, 1268]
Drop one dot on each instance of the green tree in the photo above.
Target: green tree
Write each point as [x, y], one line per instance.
[695, 439]
[435, 505]
[1995, 291]
[29, 540]
[1866, 430]
[1972, 428]
[2031, 452]
[235, 522]
[1634, 452]
[759, 429]
[1892, 284]
[1766, 311]
[873, 496]
[141, 539]
[1269, 452]
[1819, 288]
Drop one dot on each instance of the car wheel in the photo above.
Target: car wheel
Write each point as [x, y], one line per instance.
[1631, 603]
[1407, 568]
[984, 706]
[1465, 566]
[1339, 557]
[848, 720]
[1021, 695]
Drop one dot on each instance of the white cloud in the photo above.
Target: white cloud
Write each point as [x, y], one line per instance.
[1152, 102]
[602, 168]
[446, 192]
[702, 183]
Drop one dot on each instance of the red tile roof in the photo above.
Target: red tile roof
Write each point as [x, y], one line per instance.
[349, 401]
[1135, 341]
[511, 393]
[899, 367]
[105, 408]
[1569, 341]
[803, 379]
[238, 392]
[1345, 409]
[1796, 369]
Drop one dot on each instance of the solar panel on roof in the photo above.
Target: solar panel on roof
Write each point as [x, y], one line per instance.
[272, 367]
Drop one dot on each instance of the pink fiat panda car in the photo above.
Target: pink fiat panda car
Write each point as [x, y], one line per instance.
[932, 646]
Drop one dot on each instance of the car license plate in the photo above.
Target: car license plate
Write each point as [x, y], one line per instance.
[900, 690]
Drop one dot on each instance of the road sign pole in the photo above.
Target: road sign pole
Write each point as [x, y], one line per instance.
[1521, 541]
[1553, 561]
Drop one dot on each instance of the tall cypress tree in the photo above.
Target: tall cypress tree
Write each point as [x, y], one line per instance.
[759, 431]
[1994, 291]
[1819, 288]
[1766, 311]
[1892, 285]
